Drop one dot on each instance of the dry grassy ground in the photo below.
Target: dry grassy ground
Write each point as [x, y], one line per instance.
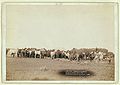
[48, 69]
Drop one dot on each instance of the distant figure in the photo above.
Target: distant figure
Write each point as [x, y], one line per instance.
[13, 52]
[37, 54]
[109, 60]
[13, 55]
[52, 53]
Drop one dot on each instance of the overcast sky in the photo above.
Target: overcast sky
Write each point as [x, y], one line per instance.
[63, 27]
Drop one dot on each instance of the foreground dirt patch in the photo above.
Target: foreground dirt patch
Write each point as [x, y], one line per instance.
[48, 69]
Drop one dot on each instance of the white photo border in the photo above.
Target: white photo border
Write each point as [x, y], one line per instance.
[116, 21]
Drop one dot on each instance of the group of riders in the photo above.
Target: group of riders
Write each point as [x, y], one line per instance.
[73, 54]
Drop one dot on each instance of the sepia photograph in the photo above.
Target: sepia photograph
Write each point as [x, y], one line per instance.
[60, 41]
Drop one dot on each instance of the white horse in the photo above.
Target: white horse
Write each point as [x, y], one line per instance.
[37, 53]
[99, 56]
[52, 54]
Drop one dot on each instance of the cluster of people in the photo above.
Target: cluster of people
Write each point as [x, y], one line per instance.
[73, 54]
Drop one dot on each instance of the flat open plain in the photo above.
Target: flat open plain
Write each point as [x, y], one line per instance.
[48, 69]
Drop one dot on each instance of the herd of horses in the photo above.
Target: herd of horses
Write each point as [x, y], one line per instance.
[73, 54]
